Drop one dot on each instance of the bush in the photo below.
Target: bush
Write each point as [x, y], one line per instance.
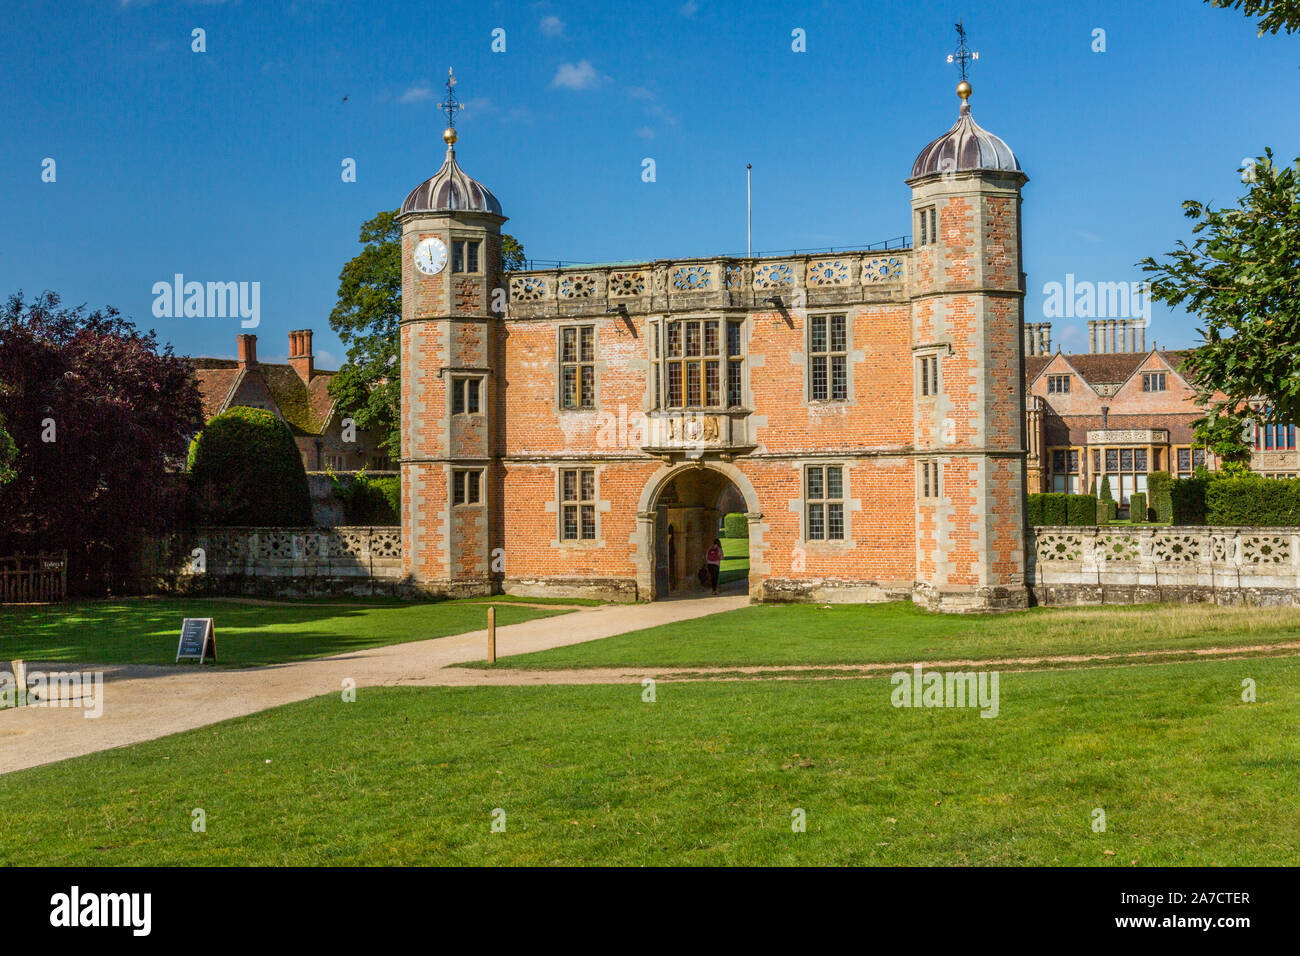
[1254, 501]
[1158, 493]
[1137, 506]
[1112, 506]
[1081, 509]
[1105, 489]
[1034, 510]
[735, 525]
[369, 501]
[246, 470]
[1187, 500]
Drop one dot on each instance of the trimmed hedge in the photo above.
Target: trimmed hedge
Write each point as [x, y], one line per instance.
[1187, 500]
[1255, 501]
[245, 469]
[1137, 506]
[735, 525]
[1158, 494]
[1055, 508]
[1113, 507]
[1081, 509]
[369, 501]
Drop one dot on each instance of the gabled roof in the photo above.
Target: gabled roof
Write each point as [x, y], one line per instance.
[305, 407]
[1104, 368]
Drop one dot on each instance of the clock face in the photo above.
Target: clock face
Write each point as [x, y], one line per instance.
[431, 256]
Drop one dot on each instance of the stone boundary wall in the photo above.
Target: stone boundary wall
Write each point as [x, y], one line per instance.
[1138, 565]
[275, 562]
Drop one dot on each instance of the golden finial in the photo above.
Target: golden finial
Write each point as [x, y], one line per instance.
[963, 90]
[449, 136]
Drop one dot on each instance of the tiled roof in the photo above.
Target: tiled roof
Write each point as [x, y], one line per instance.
[305, 407]
[214, 386]
[1103, 368]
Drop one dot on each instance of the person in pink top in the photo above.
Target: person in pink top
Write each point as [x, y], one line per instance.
[713, 560]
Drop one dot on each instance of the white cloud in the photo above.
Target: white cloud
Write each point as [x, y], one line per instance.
[552, 26]
[645, 132]
[689, 8]
[576, 76]
[417, 94]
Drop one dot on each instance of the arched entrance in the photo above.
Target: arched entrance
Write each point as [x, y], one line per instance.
[682, 511]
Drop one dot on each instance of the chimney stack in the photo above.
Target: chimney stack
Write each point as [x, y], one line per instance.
[247, 344]
[300, 356]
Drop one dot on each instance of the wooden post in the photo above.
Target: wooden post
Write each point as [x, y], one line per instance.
[492, 634]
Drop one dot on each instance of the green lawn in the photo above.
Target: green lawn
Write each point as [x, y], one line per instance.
[145, 631]
[735, 560]
[872, 633]
[708, 774]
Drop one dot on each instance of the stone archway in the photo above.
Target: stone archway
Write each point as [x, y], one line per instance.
[680, 503]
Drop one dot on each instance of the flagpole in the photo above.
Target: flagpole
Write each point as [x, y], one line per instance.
[749, 215]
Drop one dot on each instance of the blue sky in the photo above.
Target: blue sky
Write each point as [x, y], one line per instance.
[225, 165]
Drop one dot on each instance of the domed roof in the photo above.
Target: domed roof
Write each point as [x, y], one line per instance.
[451, 189]
[967, 146]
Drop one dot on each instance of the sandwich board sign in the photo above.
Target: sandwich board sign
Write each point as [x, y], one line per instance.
[198, 639]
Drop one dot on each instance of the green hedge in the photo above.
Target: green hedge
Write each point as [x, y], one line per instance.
[1158, 494]
[1113, 507]
[1255, 501]
[1137, 506]
[245, 469]
[1103, 510]
[1187, 500]
[735, 525]
[369, 501]
[1081, 509]
[1034, 511]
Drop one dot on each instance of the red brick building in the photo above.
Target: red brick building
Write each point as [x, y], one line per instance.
[296, 392]
[572, 431]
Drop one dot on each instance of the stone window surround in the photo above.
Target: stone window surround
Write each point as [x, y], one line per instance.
[849, 358]
[553, 506]
[657, 330]
[799, 506]
[451, 487]
[456, 236]
[936, 464]
[597, 366]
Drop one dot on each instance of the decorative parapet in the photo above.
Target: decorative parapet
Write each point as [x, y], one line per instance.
[344, 552]
[693, 284]
[1070, 565]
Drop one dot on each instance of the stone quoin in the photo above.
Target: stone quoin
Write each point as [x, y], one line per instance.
[568, 431]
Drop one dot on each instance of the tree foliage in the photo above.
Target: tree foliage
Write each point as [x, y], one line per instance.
[1273, 15]
[366, 318]
[245, 469]
[98, 417]
[8, 456]
[1224, 435]
[1238, 277]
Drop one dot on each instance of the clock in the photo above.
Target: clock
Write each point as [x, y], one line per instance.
[431, 256]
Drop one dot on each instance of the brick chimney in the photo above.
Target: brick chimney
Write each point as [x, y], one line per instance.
[247, 350]
[300, 356]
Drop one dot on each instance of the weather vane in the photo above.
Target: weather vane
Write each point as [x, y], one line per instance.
[962, 55]
[452, 104]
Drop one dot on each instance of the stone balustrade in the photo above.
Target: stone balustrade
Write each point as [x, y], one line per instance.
[278, 561]
[692, 284]
[1140, 565]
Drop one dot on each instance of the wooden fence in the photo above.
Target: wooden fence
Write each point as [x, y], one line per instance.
[34, 578]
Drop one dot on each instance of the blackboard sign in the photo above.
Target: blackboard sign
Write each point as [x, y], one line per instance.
[198, 639]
